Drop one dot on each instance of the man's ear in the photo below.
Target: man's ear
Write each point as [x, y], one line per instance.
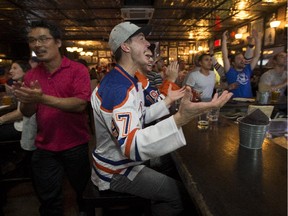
[59, 42]
[125, 47]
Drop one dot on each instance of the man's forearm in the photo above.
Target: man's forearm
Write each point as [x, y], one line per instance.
[71, 104]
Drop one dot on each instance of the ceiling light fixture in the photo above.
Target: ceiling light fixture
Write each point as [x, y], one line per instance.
[86, 53]
[238, 9]
[190, 35]
[269, 1]
[273, 22]
[74, 49]
[238, 36]
[200, 48]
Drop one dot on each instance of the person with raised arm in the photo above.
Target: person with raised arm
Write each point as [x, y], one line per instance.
[238, 74]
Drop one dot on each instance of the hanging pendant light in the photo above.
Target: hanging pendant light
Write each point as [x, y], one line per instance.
[274, 23]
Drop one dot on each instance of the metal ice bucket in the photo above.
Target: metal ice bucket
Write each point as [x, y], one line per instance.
[252, 136]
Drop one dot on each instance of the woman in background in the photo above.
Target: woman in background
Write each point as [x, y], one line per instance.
[11, 123]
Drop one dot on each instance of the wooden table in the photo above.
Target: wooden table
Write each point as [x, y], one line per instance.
[226, 179]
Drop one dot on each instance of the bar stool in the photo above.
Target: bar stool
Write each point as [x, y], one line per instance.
[93, 198]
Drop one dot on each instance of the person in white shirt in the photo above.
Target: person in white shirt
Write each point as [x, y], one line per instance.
[203, 80]
[11, 123]
[275, 78]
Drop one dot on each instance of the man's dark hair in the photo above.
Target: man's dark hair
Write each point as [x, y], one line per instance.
[277, 55]
[202, 56]
[54, 30]
[23, 64]
[118, 53]
[232, 57]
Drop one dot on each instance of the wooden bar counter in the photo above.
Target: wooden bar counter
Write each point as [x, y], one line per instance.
[225, 179]
[233, 104]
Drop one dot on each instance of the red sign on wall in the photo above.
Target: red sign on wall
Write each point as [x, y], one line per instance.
[217, 43]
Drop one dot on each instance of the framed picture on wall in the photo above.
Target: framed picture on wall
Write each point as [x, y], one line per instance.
[185, 58]
[101, 53]
[108, 54]
[172, 54]
[104, 61]
[172, 43]
[94, 59]
[164, 51]
[257, 25]
[180, 50]
[182, 44]
[269, 36]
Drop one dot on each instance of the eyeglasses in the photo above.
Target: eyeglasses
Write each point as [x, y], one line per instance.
[40, 40]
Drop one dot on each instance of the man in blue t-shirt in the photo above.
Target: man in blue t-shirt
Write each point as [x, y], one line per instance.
[238, 74]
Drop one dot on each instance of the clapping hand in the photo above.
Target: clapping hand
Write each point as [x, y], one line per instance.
[173, 95]
[189, 110]
[172, 71]
[25, 94]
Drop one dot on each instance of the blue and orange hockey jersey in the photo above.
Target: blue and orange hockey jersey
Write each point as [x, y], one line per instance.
[122, 142]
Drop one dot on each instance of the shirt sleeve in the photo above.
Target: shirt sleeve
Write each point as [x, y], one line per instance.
[165, 86]
[190, 81]
[220, 69]
[81, 83]
[265, 79]
[158, 80]
[138, 143]
[155, 79]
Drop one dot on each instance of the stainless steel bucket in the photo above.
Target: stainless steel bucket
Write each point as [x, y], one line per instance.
[252, 136]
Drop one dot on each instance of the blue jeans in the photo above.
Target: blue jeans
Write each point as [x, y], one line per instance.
[165, 192]
[49, 169]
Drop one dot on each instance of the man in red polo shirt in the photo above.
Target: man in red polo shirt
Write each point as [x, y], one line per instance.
[57, 90]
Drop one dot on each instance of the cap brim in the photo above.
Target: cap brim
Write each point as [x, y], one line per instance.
[145, 30]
